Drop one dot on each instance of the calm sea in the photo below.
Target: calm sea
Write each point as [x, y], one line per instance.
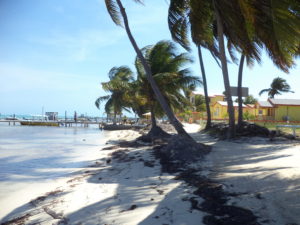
[43, 152]
[32, 158]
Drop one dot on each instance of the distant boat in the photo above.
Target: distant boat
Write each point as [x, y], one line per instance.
[40, 123]
[121, 127]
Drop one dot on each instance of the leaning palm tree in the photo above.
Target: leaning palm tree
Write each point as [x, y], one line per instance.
[118, 14]
[278, 86]
[276, 26]
[118, 86]
[167, 66]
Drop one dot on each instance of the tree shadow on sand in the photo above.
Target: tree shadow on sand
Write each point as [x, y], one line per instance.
[130, 188]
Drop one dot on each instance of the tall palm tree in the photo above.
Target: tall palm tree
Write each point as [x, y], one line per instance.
[210, 21]
[278, 86]
[181, 20]
[117, 11]
[118, 86]
[167, 66]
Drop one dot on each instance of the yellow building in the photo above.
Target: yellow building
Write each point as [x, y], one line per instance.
[212, 98]
[264, 110]
[286, 109]
[272, 109]
[215, 98]
[219, 110]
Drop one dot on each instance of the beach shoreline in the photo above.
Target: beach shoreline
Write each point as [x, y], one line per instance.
[127, 186]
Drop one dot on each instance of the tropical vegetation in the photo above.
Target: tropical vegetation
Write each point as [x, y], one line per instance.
[118, 87]
[248, 27]
[169, 71]
[118, 14]
[224, 27]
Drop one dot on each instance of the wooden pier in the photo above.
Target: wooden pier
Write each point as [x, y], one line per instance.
[53, 123]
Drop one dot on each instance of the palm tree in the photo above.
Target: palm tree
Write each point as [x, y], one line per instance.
[236, 29]
[167, 66]
[245, 27]
[118, 86]
[180, 19]
[276, 26]
[278, 86]
[250, 100]
[209, 23]
[117, 11]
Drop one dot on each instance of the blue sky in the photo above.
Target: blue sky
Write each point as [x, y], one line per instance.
[55, 53]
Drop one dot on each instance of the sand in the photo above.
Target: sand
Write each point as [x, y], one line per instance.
[126, 185]
[264, 175]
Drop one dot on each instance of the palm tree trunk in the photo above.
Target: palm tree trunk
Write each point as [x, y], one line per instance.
[225, 75]
[153, 120]
[177, 125]
[208, 122]
[239, 89]
[115, 118]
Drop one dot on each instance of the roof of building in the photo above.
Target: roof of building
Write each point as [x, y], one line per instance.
[251, 105]
[197, 93]
[235, 104]
[201, 93]
[285, 101]
[265, 104]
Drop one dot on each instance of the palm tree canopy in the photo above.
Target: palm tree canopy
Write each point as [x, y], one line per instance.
[169, 72]
[118, 86]
[278, 86]
[199, 16]
[248, 25]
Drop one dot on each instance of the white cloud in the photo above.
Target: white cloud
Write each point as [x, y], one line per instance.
[19, 78]
[80, 46]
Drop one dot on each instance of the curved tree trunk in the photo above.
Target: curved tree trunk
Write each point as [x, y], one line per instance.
[225, 75]
[208, 122]
[177, 125]
[153, 120]
[239, 89]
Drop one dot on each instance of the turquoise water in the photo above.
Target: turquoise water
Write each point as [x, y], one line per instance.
[33, 160]
[33, 153]
[29, 116]
[20, 116]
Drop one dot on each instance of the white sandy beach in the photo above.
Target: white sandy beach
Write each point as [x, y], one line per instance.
[265, 176]
[130, 188]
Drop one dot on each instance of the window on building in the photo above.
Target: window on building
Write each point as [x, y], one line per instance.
[217, 112]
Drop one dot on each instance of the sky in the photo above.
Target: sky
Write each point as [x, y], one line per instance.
[54, 54]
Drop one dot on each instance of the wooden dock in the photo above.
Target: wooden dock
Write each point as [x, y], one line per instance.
[69, 123]
[58, 123]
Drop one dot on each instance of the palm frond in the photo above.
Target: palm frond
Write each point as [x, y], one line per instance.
[178, 22]
[113, 11]
[264, 90]
[101, 99]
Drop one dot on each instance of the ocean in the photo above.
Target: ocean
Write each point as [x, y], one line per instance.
[32, 157]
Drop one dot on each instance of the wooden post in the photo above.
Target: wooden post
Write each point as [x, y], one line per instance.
[65, 118]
